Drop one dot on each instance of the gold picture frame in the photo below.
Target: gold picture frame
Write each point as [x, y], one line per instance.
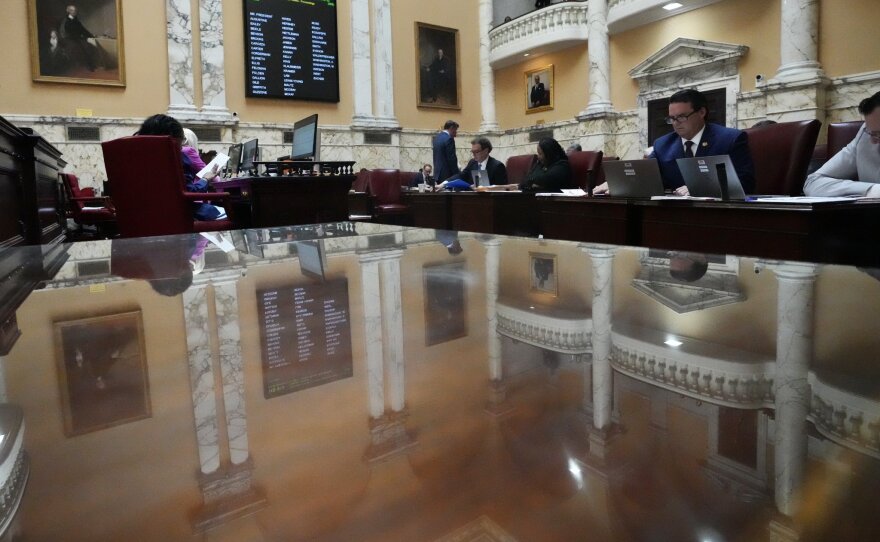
[438, 67]
[102, 372]
[543, 271]
[539, 89]
[82, 46]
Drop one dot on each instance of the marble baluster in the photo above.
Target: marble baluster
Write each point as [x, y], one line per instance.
[602, 259]
[383, 65]
[213, 67]
[487, 76]
[599, 58]
[232, 369]
[180, 59]
[392, 318]
[794, 352]
[799, 47]
[362, 76]
[373, 333]
[201, 376]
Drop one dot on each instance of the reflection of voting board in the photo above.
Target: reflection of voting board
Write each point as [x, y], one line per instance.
[305, 335]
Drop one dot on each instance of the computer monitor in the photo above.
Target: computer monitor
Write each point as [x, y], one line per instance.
[234, 159]
[250, 153]
[305, 139]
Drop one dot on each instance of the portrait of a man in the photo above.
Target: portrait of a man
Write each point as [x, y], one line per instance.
[437, 66]
[539, 89]
[77, 41]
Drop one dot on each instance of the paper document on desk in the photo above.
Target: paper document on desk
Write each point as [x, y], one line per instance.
[94, 208]
[685, 198]
[219, 161]
[572, 192]
[807, 199]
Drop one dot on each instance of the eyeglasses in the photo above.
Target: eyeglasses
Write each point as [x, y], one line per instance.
[478, 151]
[678, 118]
[874, 135]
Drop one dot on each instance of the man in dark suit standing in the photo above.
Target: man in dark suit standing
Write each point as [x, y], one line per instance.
[480, 149]
[538, 96]
[694, 136]
[445, 162]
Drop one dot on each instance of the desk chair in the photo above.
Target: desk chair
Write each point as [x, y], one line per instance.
[781, 154]
[585, 168]
[146, 173]
[840, 134]
[384, 187]
[87, 209]
[518, 167]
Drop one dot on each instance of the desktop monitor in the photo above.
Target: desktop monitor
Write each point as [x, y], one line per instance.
[234, 159]
[249, 154]
[305, 139]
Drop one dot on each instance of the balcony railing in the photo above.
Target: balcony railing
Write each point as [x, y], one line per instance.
[549, 29]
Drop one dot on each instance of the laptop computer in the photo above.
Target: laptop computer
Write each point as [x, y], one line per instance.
[480, 177]
[633, 178]
[701, 177]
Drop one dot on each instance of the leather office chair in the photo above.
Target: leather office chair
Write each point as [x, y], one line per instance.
[146, 173]
[585, 167]
[87, 209]
[384, 187]
[518, 167]
[781, 154]
[840, 134]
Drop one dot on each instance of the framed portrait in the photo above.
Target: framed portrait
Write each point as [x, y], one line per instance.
[445, 306]
[542, 273]
[437, 67]
[539, 89]
[102, 372]
[77, 42]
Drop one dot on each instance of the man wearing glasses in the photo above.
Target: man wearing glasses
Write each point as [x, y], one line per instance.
[480, 149]
[693, 136]
[855, 170]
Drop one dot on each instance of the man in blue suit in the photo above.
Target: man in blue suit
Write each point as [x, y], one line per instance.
[445, 162]
[693, 136]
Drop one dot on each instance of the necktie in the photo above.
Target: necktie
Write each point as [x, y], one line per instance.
[688, 149]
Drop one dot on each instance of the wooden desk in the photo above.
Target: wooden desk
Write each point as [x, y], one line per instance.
[261, 202]
[502, 213]
[430, 209]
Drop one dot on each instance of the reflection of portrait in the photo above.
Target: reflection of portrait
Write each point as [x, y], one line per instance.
[539, 89]
[437, 65]
[102, 372]
[444, 303]
[542, 270]
[79, 42]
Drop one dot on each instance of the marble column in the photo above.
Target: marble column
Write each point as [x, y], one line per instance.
[232, 369]
[602, 259]
[373, 333]
[392, 318]
[799, 47]
[493, 337]
[201, 376]
[487, 76]
[383, 66]
[213, 70]
[180, 59]
[599, 57]
[794, 352]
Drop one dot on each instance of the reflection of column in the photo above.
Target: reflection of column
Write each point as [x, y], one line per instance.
[392, 332]
[373, 333]
[201, 376]
[232, 369]
[213, 70]
[383, 65]
[487, 77]
[603, 267]
[494, 338]
[794, 352]
[180, 58]
[599, 56]
[799, 37]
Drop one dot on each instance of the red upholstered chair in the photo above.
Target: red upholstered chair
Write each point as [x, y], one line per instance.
[518, 167]
[782, 153]
[840, 134]
[87, 209]
[146, 173]
[384, 187]
[585, 167]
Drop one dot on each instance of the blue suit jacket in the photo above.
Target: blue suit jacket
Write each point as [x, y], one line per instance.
[716, 140]
[445, 162]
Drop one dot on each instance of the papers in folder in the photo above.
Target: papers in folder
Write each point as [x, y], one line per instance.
[218, 162]
[806, 199]
[573, 192]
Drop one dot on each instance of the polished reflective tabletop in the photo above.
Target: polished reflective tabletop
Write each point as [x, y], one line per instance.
[361, 382]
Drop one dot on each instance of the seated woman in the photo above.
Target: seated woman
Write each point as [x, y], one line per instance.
[191, 150]
[551, 172]
[168, 126]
